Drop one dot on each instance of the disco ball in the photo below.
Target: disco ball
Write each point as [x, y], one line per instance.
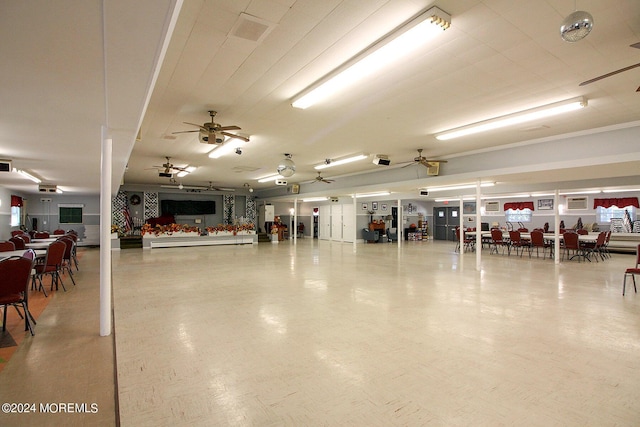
[286, 167]
[576, 26]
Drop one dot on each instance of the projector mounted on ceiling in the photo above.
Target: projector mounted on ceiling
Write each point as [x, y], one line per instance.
[382, 160]
[47, 188]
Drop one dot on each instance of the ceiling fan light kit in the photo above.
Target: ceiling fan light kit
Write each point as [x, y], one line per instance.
[212, 132]
[576, 26]
[396, 45]
[514, 118]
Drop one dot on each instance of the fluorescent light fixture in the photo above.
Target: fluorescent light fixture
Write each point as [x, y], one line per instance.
[378, 194]
[453, 199]
[186, 171]
[226, 148]
[621, 190]
[569, 193]
[270, 178]
[388, 50]
[331, 163]
[459, 187]
[28, 175]
[315, 199]
[515, 118]
[507, 196]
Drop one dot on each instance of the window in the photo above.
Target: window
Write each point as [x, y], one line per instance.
[15, 216]
[518, 215]
[70, 215]
[604, 215]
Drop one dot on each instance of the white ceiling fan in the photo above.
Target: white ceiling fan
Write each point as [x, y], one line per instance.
[213, 133]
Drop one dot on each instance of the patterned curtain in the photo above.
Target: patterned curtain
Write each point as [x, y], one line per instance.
[518, 206]
[622, 202]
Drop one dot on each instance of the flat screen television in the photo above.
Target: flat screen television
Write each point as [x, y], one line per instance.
[188, 207]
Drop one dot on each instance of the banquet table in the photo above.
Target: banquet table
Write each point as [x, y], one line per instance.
[7, 254]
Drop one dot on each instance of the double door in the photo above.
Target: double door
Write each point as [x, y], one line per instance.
[446, 219]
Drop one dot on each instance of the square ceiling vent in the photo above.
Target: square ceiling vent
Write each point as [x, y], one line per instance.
[251, 28]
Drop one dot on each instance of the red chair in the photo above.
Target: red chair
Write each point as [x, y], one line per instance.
[6, 246]
[18, 242]
[59, 232]
[52, 265]
[497, 240]
[594, 248]
[41, 235]
[67, 258]
[582, 231]
[469, 243]
[571, 243]
[515, 241]
[15, 273]
[632, 272]
[538, 241]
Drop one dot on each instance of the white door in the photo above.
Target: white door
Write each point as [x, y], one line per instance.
[348, 223]
[324, 231]
[336, 222]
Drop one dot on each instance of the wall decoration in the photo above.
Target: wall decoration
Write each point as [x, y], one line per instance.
[383, 207]
[364, 206]
[468, 208]
[545, 204]
[374, 206]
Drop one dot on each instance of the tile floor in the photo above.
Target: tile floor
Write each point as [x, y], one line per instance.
[324, 334]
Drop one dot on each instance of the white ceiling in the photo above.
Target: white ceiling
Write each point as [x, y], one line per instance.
[499, 56]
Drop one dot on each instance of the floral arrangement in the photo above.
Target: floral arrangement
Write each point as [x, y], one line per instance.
[115, 228]
[274, 229]
[168, 229]
[231, 228]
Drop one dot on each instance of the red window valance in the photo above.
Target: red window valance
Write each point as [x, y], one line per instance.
[518, 206]
[619, 202]
[16, 201]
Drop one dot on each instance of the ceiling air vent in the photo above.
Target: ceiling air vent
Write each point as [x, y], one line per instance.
[576, 203]
[5, 166]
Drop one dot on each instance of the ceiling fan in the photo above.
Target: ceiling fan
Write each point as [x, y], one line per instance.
[195, 188]
[433, 166]
[167, 168]
[213, 133]
[613, 73]
[319, 178]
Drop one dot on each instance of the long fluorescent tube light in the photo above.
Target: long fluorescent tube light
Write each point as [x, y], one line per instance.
[459, 187]
[452, 199]
[226, 148]
[622, 190]
[315, 199]
[270, 178]
[515, 118]
[28, 175]
[378, 194]
[332, 163]
[570, 193]
[386, 51]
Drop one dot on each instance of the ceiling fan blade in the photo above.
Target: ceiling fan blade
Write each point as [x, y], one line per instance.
[231, 135]
[228, 128]
[199, 126]
[636, 45]
[185, 131]
[613, 73]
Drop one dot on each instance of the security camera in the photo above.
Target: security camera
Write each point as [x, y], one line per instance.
[238, 151]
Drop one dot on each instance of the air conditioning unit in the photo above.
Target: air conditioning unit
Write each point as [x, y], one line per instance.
[281, 182]
[577, 203]
[382, 160]
[492, 206]
[5, 166]
[294, 189]
[47, 188]
[433, 169]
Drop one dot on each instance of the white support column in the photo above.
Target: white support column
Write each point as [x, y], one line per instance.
[295, 221]
[105, 235]
[355, 221]
[478, 228]
[461, 234]
[556, 227]
[400, 223]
